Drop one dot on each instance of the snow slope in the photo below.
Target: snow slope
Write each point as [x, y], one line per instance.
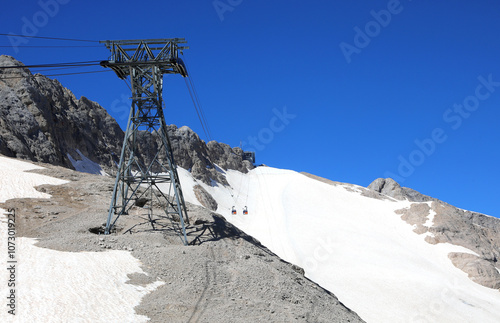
[55, 286]
[85, 165]
[356, 247]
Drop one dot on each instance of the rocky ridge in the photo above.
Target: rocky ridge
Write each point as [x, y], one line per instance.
[42, 121]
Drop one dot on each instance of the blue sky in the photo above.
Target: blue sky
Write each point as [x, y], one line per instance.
[347, 90]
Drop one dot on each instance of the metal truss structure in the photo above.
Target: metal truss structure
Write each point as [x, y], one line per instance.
[142, 169]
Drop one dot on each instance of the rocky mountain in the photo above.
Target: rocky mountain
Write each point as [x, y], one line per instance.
[40, 120]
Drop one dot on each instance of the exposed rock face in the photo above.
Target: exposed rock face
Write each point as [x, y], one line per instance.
[40, 120]
[416, 215]
[475, 231]
[390, 187]
[479, 269]
[205, 198]
[444, 223]
[227, 157]
[206, 162]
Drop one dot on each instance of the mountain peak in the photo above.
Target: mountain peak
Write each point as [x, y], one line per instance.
[9, 59]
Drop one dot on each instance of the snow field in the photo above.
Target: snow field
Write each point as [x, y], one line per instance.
[85, 165]
[356, 247]
[55, 286]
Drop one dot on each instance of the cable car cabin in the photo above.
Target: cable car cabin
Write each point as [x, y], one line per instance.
[233, 211]
[245, 210]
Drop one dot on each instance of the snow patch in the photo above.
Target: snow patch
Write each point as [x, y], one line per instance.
[219, 169]
[429, 234]
[56, 286]
[15, 183]
[213, 183]
[85, 165]
[430, 218]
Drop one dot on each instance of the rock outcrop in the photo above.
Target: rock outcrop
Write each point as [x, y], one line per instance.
[390, 187]
[477, 232]
[205, 198]
[206, 162]
[40, 120]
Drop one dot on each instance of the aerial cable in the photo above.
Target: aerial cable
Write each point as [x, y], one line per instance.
[201, 109]
[52, 38]
[56, 46]
[201, 116]
[60, 74]
[36, 70]
[236, 197]
[239, 190]
[248, 190]
[264, 192]
[199, 105]
[198, 100]
[232, 196]
[76, 73]
[202, 113]
[196, 107]
[76, 64]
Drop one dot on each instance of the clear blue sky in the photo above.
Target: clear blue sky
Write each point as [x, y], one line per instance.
[347, 90]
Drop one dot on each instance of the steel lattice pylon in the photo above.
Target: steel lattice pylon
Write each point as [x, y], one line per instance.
[140, 172]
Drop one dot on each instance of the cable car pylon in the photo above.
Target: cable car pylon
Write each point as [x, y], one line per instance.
[140, 172]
